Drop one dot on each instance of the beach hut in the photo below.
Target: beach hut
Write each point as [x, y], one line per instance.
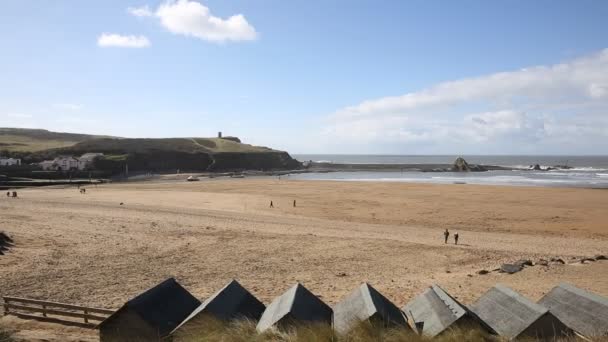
[366, 304]
[434, 312]
[584, 312]
[151, 316]
[233, 301]
[296, 306]
[511, 315]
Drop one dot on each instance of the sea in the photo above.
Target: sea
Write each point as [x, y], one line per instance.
[583, 171]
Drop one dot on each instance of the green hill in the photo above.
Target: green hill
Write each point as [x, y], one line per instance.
[32, 140]
[145, 154]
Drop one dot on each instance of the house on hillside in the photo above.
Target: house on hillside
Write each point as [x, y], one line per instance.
[64, 163]
[9, 161]
[67, 163]
[513, 316]
[86, 161]
[151, 316]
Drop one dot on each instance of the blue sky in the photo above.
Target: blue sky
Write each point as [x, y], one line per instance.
[399, 77]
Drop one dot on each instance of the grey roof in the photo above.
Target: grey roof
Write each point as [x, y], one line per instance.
[511, 315]
[366, 303]
[163, 307]
[582, 311]
[230, 302]
[435, 310]
[295, 305]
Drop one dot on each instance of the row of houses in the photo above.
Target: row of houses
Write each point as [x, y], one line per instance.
[67, 163]
[168, 310]
[10, 161]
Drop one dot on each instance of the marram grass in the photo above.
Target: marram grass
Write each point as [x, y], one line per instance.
[208, 329]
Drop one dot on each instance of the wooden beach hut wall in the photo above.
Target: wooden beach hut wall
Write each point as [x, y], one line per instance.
[151, 316]
[365, 303]
[513, 316]
[584, 312]
[434, 312]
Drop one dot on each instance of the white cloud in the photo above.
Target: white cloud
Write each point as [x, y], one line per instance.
[143, 11]
[598, 90]
[191, 18]
[532, 104]
[19, 115]
[117, 40]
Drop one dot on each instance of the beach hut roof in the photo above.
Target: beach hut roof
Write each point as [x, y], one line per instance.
[582, 311]
[163, 307]
[231, 301]
[435, 310]
[365, 303]
[297, 304]
[510, 314]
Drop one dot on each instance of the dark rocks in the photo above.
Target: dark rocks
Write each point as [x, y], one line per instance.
[600, 257]
[510, 268]
[5, 242]
[543, 262]
[524, 262]
[558, 260]
[482, 272]
[461, 165]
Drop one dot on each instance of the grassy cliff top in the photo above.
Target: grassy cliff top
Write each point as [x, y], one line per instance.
[33, 140]
[37, 140]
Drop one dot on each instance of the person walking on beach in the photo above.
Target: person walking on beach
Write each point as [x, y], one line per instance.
[456, 238]
[446, 235]
[271, 205]
[8, 194]
[294, 203]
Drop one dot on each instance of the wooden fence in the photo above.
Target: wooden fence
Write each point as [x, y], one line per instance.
[55, 312]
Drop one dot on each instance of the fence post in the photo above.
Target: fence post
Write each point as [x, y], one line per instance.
[6, 312]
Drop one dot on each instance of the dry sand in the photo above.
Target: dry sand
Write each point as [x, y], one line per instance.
[89, 250]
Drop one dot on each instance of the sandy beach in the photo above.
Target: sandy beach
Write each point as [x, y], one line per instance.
[90, 250]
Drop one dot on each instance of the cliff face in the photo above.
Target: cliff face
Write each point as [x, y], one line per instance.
[186, 154]
[169, 161]
[253, 161]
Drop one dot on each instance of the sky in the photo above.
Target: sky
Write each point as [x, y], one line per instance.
[360, 77]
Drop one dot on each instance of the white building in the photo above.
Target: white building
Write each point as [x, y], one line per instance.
[67, 163]
[9, 162]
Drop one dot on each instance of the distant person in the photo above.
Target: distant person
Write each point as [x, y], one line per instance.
[294, 203]
[271, 204]
[456, 238]
[8, 194]
[446, 235]
[14, 193]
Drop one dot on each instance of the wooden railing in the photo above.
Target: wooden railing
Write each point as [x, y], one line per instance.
[54, 312]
